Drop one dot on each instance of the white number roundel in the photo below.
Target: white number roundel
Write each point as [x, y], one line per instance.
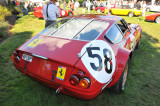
[99, 59]
[63, 12]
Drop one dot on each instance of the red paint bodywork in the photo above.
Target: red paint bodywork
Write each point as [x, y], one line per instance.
[38, 12]
[152, 17]
[103, 8]
[64, 52]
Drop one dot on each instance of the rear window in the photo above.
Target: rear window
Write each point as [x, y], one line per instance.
[79, 29]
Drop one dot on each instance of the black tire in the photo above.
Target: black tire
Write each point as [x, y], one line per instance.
[148, 9]
[70, 14]
[131, 14]
[157, 20]
[119, 86]
[138, 44]
[110, 12]
[98, 10]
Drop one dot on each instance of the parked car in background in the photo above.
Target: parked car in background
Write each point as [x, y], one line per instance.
[154, 8]
[81, 55]
[153, 17]
[102, 9]
[38, 12]
[125, 10]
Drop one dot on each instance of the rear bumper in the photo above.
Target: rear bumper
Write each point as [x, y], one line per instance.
[87, 95]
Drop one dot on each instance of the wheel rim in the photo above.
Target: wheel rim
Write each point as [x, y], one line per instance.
[125, 76]
[69, 14]
[158, 20]
[130, 14]
[98, 11]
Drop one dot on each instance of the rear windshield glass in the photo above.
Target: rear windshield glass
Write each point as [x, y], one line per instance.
[79, 29]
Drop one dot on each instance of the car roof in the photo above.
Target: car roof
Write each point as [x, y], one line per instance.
[109, 18]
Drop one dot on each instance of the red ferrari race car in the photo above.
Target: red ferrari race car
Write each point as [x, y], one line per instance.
[38, 12]
[81, 55]
[153, 17]
[102, 9]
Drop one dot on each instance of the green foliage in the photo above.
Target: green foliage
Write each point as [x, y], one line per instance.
[3, 28]
[2, 34]
[4, 12]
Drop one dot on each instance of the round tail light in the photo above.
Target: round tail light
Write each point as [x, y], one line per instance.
[84, 83]
[80, 74]
[74, 80]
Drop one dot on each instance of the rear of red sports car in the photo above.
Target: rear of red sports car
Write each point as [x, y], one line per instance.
[72, 57]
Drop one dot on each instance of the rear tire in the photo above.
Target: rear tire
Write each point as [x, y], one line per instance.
[119, 86]
[131, 14]
[157, 20]
[70, 14]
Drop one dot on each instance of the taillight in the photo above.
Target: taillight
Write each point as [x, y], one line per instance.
[79, 79]
[84, 83]
[74, 80]
[15, 57]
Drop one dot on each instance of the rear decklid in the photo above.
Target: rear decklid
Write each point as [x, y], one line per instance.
[50, 54]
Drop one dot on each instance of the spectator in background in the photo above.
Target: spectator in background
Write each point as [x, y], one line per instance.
[64, 5]
[26, 6]
[57, 3]
[71, 5]
[138, 5]
[76, 6]
[17, 3]
[95, 3]
[50, 13]
[88, 5]
[144, 8]
[84, 6]
[108, 7]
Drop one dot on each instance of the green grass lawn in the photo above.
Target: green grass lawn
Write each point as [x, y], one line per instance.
[143, 87]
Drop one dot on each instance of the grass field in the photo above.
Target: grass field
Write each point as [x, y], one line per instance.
[143, 86]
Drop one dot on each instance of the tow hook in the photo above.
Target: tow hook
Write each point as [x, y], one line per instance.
[59, 89]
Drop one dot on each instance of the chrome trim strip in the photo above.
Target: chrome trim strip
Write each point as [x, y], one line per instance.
[39, 56]
[84, 27]
[106, 84]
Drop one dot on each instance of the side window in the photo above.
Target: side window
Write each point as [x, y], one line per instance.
[114, 35]
[122, 25]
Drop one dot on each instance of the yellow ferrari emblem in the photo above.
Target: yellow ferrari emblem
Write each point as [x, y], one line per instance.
[34, 43]
[61, 73]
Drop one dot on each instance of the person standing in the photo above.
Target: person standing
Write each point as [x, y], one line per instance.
[76, 6]
[144, 8]
[50, 13]
[84, 6]
[88, 5]
[108, 7]
[64, 5]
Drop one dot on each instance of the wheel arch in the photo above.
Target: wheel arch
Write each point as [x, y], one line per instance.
[121, 59]
[156, 18]
[131, 12]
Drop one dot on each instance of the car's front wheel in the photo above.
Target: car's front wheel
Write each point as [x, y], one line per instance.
[157, 20]
[119, 86]
[98, 10]
[131, 14]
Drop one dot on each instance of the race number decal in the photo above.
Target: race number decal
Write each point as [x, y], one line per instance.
[63, 13]
[99, 59]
